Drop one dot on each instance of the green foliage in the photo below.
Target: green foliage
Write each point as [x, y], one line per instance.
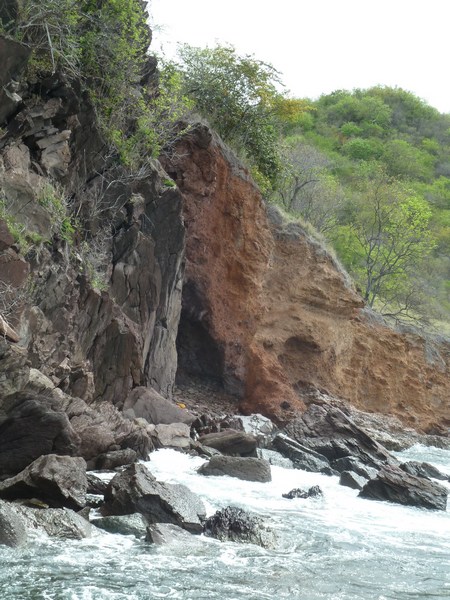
[239, 96]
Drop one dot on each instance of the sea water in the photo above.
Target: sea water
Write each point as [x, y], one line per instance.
[338, 547]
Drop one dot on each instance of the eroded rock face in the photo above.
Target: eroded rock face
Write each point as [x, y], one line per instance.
[267, 310]
[236, 525]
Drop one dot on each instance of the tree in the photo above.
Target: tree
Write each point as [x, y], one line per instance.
[239, 96]
[387, 241]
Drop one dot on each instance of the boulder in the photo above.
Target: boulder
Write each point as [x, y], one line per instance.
[148, 404]
[275, 458]
[302, 457]
[13, 57]
[12, 527]
[57, 480]
[352, 480]
[352, 464]
[330, 432]
[166, 533]
[175, 435]
[134, 524]
[247, 468]
[136, 490]
[233, 524]
[31, 426]
[95, 485]
[312, 492]
[395, 485]
[423, 469]
[116, 458]
[62, 523]
[230, 441]
[260, 427]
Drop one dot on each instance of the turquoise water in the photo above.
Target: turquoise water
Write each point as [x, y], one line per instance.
[338, 547]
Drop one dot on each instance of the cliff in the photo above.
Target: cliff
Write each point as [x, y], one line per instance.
[114, 281]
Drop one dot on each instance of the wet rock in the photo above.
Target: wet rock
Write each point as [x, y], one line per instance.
[116, 458]
[352, 480]
[134, 524]
[148, 404]
[61, 523]
[327, 430]
[136, 490]
[233, 524]
[352, 464]
[230, 441]
[275, 458]
[166, 533]
[312, 492]
[302, 457]
[423, 469]
[395, 485]
[12, 527]
[247, 468]
[57, 480]
[175, 435]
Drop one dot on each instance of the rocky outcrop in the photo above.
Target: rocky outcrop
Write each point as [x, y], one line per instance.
[268, 312]
[13, 532]
[230, 441]
[249, 469]
[312, 492]
[395, 485]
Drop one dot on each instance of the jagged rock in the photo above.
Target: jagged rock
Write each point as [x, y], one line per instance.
[351, 464]
[12, 527]
[134, 524]
[395, 485]
[352, 480]
[116, 458]
[423, 469]
[167, 533]
[312, 492]
[230, 441]
[247, 468]
[14, 57]
[62, 523]
[275, 458]
[95, 485]
[327, 430]
[30, 427]
[136, 490]
[176, 435]
[259, 426]
[302, 457]
[148, 404]
[236, 525]
[58, 480]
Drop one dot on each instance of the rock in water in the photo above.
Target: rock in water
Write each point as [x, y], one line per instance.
[236, 525]
[230, 441]
[136, 490]
[423, 469]
[313, 492]
[12, 527]
[57, 480]
[135, 524]
[352, 480]
[249, 469]
[395, 485]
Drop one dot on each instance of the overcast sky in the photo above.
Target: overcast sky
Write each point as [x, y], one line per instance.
[323, 45]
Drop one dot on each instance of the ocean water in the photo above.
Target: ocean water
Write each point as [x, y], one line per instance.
[338, 547]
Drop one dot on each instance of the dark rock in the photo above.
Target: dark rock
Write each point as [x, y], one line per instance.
[6, 239]
[116, 458]
[247, 468]
[58, 480]
[12, 527]
[327, 430]
[352, 464]
[136, 490]
[61, 523]
[236, 525]
[423, 469]
[230, 441]
[312, 492]
[302, 457]
[13, 58]
[148, 404]
[134, 524]
[95, 485]
[30, 427]
[395, 485]
[166, 533]
[352, 480]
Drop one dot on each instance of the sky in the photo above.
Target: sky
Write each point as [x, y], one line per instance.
[323, 45]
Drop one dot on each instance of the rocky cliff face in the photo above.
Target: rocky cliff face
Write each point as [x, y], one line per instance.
[267, 311]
